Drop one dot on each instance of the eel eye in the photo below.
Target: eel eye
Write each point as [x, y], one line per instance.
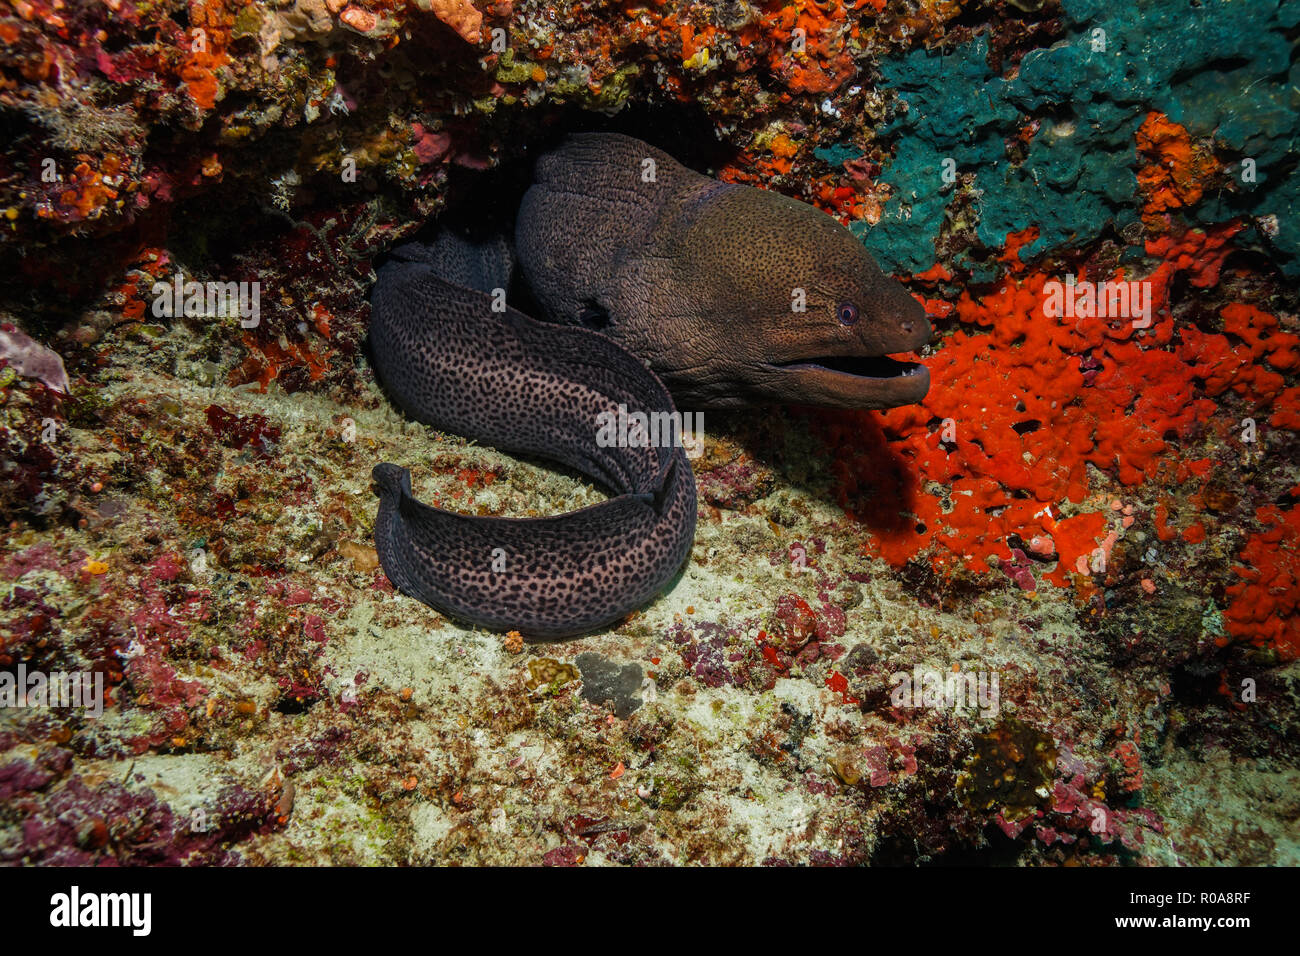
[848, 313]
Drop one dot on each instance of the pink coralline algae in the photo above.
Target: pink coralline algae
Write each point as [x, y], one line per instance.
[1074, 814]
[30, 359]
[429, 146]
[571, 855]
[793, 624]
[239, 431]
[42, 557]
[1020, 570]
[717, 657]
[75, 824]
[163, 620]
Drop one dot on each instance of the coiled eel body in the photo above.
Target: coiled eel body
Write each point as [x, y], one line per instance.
[529, 388]
[731, 295]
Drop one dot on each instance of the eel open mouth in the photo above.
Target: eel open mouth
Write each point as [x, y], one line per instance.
[860, 366]
[847, 381]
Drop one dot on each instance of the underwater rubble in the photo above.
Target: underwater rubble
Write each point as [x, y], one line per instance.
[1048, 616]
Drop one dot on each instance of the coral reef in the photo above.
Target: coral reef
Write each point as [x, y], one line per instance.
[1047, 616]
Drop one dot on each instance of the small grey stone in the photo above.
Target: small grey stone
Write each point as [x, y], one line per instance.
[604, 680]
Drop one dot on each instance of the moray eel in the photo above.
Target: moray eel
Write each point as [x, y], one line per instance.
[733, 295]
[654, 279]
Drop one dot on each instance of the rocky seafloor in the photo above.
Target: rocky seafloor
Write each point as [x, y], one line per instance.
[1096, 513]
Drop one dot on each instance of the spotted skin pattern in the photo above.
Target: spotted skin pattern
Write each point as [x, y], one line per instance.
[529, 388]
[692, 277]
[734, 295]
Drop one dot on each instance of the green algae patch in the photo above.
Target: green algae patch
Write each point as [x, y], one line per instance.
[1011, 770]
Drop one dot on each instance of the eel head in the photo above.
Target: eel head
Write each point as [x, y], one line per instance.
[792, 310]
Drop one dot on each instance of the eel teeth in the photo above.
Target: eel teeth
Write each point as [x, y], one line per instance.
[862, 366]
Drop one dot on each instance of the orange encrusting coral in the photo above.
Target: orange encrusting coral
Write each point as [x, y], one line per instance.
[1264, 608]
[1015, 242]
[89, 191]
[1177, 172]
[267, 359]
[210, 25]
[1022, 402]
[823, 62]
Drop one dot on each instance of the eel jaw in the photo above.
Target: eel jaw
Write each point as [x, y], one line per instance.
[850, 381]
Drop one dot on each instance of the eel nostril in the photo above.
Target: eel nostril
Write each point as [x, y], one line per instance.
[908, 326]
